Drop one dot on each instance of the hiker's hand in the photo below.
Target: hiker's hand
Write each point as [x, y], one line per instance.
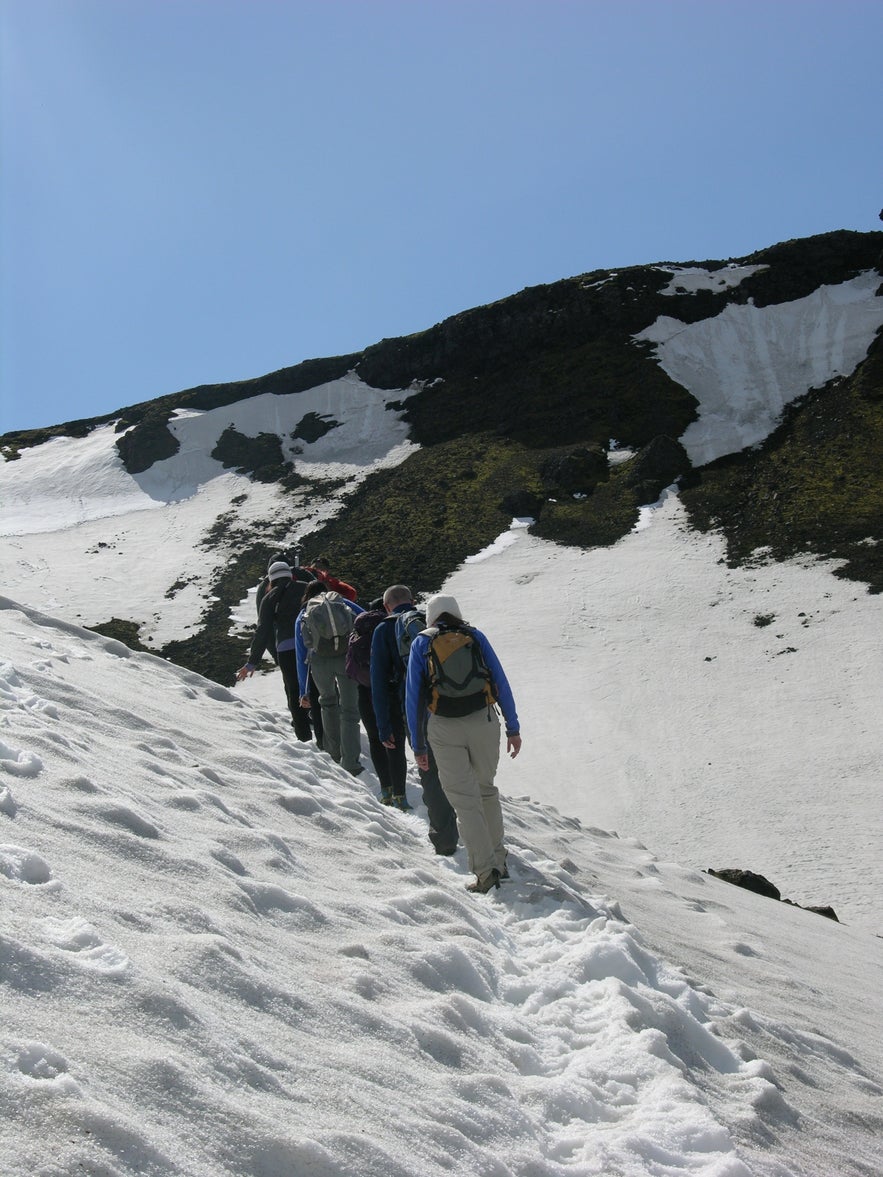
[513, 745]
[305, 702]
[390, 743]
[422, 761]
[243, 672]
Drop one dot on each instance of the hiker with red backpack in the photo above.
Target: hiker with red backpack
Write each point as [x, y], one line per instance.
[455, 684]
[390, 647]
[321, 569]
[321, 631]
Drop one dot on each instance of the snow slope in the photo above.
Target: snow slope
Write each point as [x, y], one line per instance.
[725, 717]
[124, 540]
[654, 702]
[221, 957]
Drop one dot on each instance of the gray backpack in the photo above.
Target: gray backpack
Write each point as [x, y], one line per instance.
[327, 624]
[459, 680]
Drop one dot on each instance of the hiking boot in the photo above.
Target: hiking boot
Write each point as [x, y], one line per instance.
[400, 801]
[385, 797]
[485, 883]
[504, 870]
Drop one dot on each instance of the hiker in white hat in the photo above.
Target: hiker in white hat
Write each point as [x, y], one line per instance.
[455, 687]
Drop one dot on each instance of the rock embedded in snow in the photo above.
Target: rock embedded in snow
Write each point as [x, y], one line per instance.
[761, 885]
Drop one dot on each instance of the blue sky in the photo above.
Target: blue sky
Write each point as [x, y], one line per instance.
[197, 191]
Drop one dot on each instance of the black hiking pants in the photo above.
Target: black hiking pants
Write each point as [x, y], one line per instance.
[443, 833]
[304, 722]
[379, 754]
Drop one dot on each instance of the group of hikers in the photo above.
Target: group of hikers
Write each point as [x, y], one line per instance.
[408, 673]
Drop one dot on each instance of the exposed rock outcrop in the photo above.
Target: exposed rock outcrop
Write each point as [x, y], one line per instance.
[762, 886]
[655, 467]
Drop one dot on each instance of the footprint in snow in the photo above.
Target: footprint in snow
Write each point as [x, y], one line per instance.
[211, 775]
[186, 801]
[23, 866]
[45, 1066]
[91, 951]
[228, 859]
[81, 783]
[18, 763]
[300, 804]
[122, 815]
[266, 899]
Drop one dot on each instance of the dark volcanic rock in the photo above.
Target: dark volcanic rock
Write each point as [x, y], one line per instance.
[826, 910]
[749, 880]
[657, 466]
[521, 504]
[312, 426]
[762, 886]
[576, 471]
[151, 441]
[259, 456]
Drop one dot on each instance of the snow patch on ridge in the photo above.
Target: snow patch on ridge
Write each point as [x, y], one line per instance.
[747, 363]
[690, 279]
[368, 435]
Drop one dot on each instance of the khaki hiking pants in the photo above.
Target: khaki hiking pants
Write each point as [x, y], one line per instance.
[339, 700]
[467, 752]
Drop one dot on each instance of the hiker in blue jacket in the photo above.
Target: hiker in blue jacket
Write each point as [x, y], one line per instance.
[338, 693]
[463, 731]
[388, 694]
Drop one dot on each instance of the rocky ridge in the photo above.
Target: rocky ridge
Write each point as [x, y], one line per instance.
[514, 407]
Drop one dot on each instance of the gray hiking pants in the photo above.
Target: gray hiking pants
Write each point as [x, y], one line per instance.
[339, 701]
[467, 752]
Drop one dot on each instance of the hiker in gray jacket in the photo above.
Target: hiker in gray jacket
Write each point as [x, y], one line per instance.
[324, 657]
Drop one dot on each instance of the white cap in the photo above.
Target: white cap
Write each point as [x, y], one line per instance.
[439, 604]
[279, 570]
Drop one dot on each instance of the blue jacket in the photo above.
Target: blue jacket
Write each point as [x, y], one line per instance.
[300, 646]
[418, 682]
[387, 672]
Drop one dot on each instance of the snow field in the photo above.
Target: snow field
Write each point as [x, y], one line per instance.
[223, 956]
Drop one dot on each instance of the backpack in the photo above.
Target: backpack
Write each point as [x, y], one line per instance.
[459, 680]
[327, 624]
[358, 650]
[408, 624]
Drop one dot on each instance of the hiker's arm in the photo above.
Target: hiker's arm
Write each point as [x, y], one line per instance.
[261, 638]
[501, 686]
[300, 652]
[415, 700]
